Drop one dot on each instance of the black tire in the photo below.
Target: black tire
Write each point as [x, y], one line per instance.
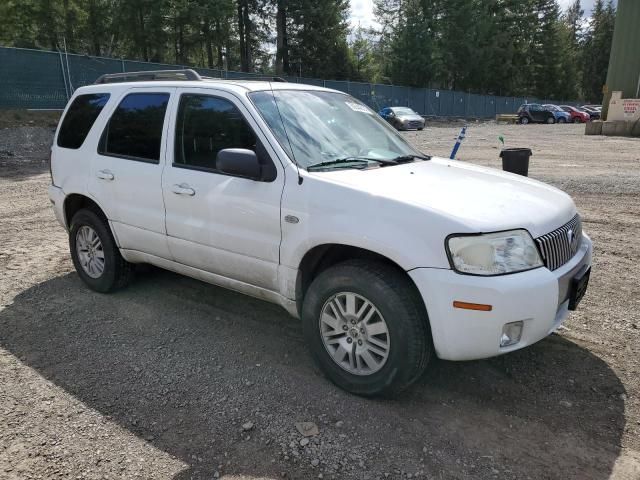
[524, 120]
[117, 271]
[562, 120]
[551, 120]
[398, 301]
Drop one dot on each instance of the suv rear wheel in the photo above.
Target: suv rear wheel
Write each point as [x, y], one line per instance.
[524, 120]
[95, 254]
[551, 120]
[367, 328]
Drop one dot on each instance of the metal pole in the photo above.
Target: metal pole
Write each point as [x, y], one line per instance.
[67, 60]
[64, 76]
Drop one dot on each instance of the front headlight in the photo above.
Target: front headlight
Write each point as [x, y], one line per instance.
[493, 253]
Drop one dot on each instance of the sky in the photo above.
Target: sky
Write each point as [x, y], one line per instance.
[362, 11]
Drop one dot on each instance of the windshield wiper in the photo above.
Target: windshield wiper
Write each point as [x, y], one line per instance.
[410, 158]
[346, 160]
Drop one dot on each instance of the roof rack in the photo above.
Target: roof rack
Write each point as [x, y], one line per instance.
[186, 74]
[258, 78]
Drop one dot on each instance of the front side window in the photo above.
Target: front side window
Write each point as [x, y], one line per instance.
[79, 119]
[135, 128]
[317, 126]
[206, 125]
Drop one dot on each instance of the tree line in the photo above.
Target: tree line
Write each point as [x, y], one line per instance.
[503, 47]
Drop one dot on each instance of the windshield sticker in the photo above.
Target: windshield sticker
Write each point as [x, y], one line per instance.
[357, 107]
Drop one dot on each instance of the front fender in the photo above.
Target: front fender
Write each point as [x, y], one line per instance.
[329, 213]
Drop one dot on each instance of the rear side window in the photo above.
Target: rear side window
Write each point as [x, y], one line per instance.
[79, 119]
[135, 128]
[207, 125]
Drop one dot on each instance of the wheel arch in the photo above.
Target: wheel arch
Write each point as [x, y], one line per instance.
[321, 257]
[77, 201]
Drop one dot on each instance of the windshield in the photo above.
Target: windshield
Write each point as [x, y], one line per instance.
[317, 126]
[403, 111]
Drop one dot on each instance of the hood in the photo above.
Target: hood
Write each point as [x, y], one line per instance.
[477, 199]
[409, 117]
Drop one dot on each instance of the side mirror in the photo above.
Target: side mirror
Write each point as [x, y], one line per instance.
[239, 162]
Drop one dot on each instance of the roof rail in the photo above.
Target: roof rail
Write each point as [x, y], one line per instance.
[151, 75]
[257, 78]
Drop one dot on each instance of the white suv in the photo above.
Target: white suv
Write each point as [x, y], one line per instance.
[304, 197]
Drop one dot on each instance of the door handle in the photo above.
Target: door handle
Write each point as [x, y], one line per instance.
[105, 175]
[183, 189]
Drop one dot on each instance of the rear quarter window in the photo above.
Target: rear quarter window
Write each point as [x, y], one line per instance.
[80, 117]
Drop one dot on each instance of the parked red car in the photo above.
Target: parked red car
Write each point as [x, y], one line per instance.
[576, 115]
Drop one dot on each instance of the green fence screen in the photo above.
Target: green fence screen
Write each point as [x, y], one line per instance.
[38, 79]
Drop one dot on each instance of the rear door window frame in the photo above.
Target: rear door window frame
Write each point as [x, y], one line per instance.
[169, 91]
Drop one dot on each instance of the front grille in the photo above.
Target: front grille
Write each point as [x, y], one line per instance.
[415, 124]
[559, 246]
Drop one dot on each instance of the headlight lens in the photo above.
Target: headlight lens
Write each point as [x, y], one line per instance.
[494, 253]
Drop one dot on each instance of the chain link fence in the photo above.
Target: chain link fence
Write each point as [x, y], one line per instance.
[38, 79]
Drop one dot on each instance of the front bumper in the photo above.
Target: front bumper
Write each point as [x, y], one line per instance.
[413, 124]
[540, 298]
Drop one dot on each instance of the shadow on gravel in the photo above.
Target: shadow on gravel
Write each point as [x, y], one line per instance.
[183, 365]
[18, 171]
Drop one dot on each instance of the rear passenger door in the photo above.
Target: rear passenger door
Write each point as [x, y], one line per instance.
[217, 222]
[126, 177]
[536, 113]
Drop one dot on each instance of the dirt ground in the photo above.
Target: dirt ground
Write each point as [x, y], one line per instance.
[176, 379]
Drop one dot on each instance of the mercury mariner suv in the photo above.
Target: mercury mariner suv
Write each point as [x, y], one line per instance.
[305, 197]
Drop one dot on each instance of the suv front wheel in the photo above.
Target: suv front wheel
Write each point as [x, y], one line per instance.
[367, 328]
[95, 254]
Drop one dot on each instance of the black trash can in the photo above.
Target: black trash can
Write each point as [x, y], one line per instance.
[516, 160]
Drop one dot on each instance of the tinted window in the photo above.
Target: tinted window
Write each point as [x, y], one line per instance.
[207, 125]
[135, 128]
[80, 118]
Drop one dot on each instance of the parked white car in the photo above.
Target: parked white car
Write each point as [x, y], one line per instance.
[305, 197]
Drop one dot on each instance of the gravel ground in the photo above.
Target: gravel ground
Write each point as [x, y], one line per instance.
[173, 378]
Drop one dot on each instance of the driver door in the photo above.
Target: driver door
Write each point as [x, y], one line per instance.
[226, 225]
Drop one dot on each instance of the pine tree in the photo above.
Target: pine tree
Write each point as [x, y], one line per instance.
[597, 47]
[547, 54]
[571, 35]
[413, 45]
[318, 38]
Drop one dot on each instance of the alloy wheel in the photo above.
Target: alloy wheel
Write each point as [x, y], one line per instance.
[90, 251]
[354, 333]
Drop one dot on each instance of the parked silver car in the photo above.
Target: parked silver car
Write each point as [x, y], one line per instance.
[402, 118]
